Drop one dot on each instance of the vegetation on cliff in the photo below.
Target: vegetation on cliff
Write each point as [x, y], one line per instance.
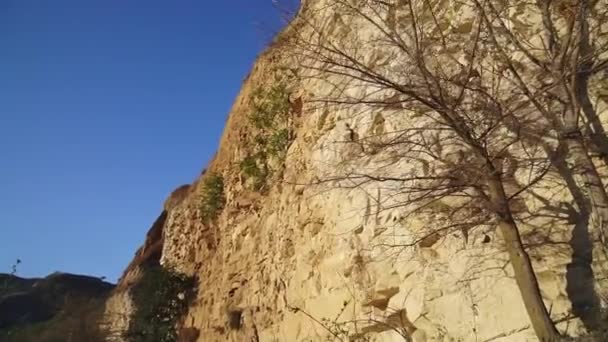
[212, 197]
[161, 297]
[272, 134]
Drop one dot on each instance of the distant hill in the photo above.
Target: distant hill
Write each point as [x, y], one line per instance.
[60, 307]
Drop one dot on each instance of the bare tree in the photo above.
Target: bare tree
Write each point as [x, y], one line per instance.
[549, 67]
[456, 84]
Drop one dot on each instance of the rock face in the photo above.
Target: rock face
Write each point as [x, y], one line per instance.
[309, 259]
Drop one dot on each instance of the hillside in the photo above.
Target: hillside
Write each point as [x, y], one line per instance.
[59, 307]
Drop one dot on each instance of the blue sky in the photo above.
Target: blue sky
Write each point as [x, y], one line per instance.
[105, 107]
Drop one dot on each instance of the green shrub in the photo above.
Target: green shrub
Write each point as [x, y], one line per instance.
[161, 297]
[249, 167]
[269, 106]
[254, 167]
[278, 143]
[212, 197]
[270, 117]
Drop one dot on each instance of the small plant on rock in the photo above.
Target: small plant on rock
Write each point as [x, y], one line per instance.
[278, 142]
[270, 106]
[212, 197]
[273, 134]
[251, 169]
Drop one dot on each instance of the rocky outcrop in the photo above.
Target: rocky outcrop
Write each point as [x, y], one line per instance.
[311, 259]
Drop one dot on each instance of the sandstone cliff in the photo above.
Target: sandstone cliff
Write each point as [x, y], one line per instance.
[292, 254]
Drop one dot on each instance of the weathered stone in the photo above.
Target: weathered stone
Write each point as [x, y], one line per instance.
[311, 252]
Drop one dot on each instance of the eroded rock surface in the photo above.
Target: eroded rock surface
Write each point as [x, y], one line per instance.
[311, 260]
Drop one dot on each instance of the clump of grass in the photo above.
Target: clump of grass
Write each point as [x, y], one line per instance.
[278, 143]
[212, 197]
[251, 169]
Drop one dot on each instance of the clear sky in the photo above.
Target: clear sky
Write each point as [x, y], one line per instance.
[105, 107]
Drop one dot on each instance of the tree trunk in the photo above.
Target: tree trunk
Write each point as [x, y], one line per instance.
[597, 132]
[583, 167]
[584, 63]
[522, 266]
[575, 90]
